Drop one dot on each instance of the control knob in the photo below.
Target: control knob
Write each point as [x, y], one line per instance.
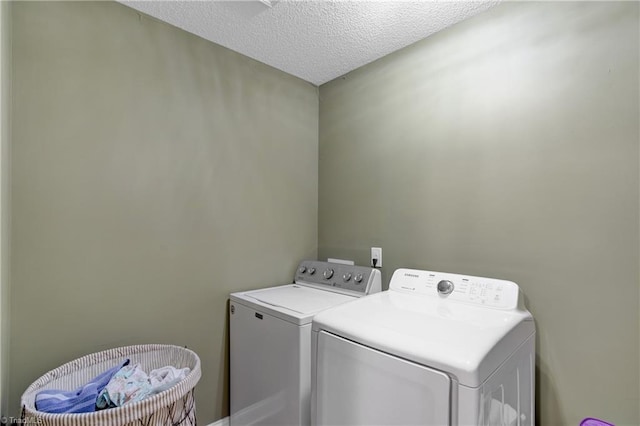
[302, 269]
[445, 287]
[346, 277]
[328, 273]
[312, 271]
[358, 278]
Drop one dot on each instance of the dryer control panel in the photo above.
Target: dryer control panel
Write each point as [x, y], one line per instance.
[348, 279]
[489, 292]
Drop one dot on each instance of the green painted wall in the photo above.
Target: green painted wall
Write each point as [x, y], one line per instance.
[153, 174]
[149, 166]
[507, 146]
[5, 134]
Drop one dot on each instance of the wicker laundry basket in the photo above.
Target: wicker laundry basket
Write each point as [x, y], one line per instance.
[175, 406]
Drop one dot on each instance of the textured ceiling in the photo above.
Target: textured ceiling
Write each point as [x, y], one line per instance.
[316, 40]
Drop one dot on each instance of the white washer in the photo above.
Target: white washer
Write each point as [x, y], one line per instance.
[270, 341]
[435, 349]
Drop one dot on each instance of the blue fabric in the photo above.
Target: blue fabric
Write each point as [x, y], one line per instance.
[81, 400]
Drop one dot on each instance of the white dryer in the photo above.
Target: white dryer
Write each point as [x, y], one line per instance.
[435, 349]
[270, 341]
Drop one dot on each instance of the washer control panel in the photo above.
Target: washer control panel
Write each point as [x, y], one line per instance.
[487, 292]
[358, 280]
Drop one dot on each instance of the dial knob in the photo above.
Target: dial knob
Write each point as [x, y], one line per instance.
[312, 271]
[358, 278]
[302, 269]
[327, 273]
[445, 287]
[346, 277]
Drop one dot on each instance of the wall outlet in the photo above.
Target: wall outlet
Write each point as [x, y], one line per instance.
[376, 257]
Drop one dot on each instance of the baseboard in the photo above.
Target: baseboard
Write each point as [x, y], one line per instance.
[221, 422]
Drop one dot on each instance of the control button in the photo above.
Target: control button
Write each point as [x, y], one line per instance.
[302, 269]
[346, 277]
[445, 287]
[358, 278]
[312, 271]
[327, 273]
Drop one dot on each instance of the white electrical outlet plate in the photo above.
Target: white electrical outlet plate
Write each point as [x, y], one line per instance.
[376, 253]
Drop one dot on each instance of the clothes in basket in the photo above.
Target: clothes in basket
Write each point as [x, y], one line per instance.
[132, 384]
[81, 400]
[175, 406]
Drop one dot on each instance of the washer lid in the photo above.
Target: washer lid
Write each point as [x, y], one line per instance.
[294, 303]
[300, 299]
[467, 341]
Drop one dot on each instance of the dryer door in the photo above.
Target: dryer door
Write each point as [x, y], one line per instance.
[357, 385]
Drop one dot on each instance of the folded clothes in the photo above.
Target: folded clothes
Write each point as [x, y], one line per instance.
[132, 384]
[81, 400]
